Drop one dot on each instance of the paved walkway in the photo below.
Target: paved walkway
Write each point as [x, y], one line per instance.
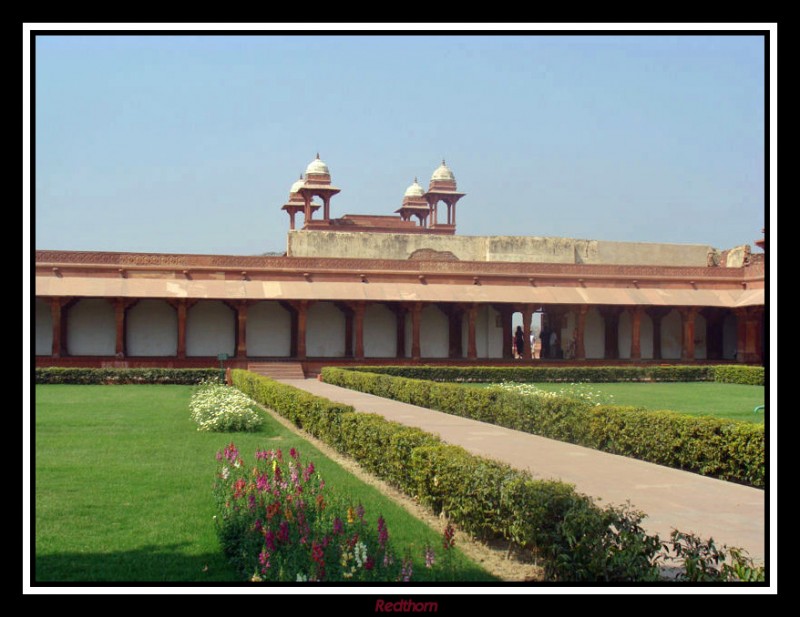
[730, 513]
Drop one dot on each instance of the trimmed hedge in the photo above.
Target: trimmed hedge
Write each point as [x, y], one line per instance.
[719, 448]
[181, 376]
[497, 374]
[576, 539]
[746, 375]
[726, 373]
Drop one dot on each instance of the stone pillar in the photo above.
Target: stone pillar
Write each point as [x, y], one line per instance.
[752, 350]
[656, 315]
[688, 315]
[119, 315]
[326, 211]
[636, 333]
[505, 315]
[241, 329]
[714, 334]
[358, 322]
[580, 337]
[454, 215]
[307, 211]
[400, 314]
[416, 322]
[472, 318]
[527, 314]
[182, 309]
[58, 315]
[291, 220]
[302, 315]
[611, 318]
[348, 331]
[454, 320]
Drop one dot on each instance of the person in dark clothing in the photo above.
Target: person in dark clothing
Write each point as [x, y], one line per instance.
[545, 336]
[519, 342]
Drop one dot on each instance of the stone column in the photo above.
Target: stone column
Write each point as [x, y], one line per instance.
[611, 318]
[714, 335]
[580, 337]
[454, 317]
[416, 322]
[400, 314]
[291, 220]
[454, 215]
[358, 322]
[119, 315]
[241, 334]
[752, 351]
[326, 212]
[688, 315]
[472, 318]
[182, 310]
[307, 211]
[58, 315]
[656, 315]
[636, 333]
[302, 315]
[527, 314]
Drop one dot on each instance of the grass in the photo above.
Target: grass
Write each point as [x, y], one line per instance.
[732, 401]
[123, 489]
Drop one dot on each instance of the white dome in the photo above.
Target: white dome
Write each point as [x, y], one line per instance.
[415, 190]
[297, 186]
[317, 167]
[443, 173]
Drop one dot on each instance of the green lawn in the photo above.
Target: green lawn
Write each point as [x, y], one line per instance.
[721, 400]
[123, 488]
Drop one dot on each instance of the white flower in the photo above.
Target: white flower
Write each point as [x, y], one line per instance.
[225, 473]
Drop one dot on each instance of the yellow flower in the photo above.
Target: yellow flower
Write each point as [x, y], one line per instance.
[351, 515]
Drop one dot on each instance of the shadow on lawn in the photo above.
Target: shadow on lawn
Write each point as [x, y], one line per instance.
[149, 564]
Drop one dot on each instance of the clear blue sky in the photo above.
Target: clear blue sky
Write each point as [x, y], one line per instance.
[190, 143]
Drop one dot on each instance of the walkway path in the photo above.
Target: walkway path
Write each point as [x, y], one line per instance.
[730, 513]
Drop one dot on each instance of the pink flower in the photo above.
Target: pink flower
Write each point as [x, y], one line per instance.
[430, 558]
[293, 453]
[383, 533]
[449, 540]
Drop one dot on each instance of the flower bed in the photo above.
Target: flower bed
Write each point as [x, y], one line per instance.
[217, 407]
[278, 522]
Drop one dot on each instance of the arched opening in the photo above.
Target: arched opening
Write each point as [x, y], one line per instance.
[594, 338]
[380, 332]
[151, 329]
[269, 330]
[210, 329]
[91, 328]
[671, 336]
[434, 333]
[325, 331]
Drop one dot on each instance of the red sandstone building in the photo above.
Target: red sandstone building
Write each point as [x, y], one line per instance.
[398, 289]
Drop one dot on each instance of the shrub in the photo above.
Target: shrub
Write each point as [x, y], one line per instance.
[719, 448]
[497, 374]
[181, 376]
[216, 407]
[747, 375]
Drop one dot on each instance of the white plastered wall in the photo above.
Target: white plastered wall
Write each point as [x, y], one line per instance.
[624, 335]
[729, 337]
[44, 329]
[594, 334]
[380, 332]
[493, 332]
[325, 329]
[151, 329]
[700, 346]
[91, 328]
[434, 333]
[210, 329]
[671, 336]
[269, 330]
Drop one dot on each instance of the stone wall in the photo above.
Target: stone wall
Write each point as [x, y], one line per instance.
[529, 249]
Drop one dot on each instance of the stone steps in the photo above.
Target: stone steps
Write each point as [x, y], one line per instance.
[277, 370]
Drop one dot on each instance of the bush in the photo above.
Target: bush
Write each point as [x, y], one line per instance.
[181, 376]
[719, 448]
[218, 408]
[747, 375]
[497, 374]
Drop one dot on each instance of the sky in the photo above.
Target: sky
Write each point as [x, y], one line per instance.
[189, 144]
